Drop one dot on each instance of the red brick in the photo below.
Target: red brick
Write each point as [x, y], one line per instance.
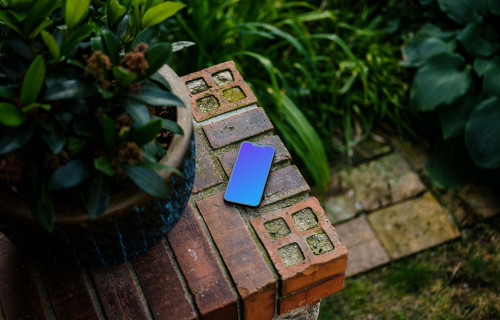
[237, 128]
[284, 183]
[217, 91]
[365, 250]
[253, 278]
[206, 175]
[69, 294]
[203, 274]
[314, 268]
[19, 295]
[311, 295]
[118, 293]
[161, 285]
[227, 159]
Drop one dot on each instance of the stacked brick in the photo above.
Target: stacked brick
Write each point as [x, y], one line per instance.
[221, 261]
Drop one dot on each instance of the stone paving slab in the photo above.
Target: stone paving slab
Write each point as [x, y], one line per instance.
[412, 226]
[381, 182]
[365, 250]
[341, 207]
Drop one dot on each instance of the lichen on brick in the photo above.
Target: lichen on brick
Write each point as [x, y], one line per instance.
[290, 254]
[222, 77]
[234, 94]
[208, 104]
[197, 85]
[305, 219]
[319, 243]
[277, 228]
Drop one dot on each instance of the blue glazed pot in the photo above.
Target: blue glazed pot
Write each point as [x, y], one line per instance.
[133, 222]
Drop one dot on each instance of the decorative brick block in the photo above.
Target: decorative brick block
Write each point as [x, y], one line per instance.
[228, 159]
[206, 176]
[204, 277]
[216, 90]
[303, 245]
[237, 128]
[311, 295]
[365, 250]
[253, 278]
[19, 295]
[69, 294]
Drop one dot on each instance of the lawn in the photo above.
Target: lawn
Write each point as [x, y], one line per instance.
[458, 280]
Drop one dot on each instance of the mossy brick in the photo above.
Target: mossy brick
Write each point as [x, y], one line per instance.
[316, 266]
[253, 278]
[118, 293]
[206, 175]
[161, 285]
[282, 184]
[312, 294]
[205, 279]
[412, 226]
[381, 182]
[365, 250]
[281, 154]
[237, 128]
[416, 155]
[340, 207]
[217, 90]
[20, 297]
[484, 201]
[69, 293]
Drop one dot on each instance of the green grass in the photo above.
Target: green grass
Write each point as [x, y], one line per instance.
[458, 280]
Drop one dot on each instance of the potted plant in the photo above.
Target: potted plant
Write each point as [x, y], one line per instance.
[97, 156]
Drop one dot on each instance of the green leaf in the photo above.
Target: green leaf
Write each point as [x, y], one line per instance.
[99, 195]
[10, 115]
[7, 93]
[148, 180]
[158, 97]
[441, 81]
[38, 13]
[179, 45]
[76, 36]
[35, 105]
[33, 81]
[494, 6]
[160, 12]
[16, 138]
[74, 11]
[479, 39]
[482, 134]
[55, 138]
[115, 11]
[51, 43]
[69, 89]
[148, 36]
[103, 164]
[45, 23]
[171, 126]
[460, 11]
[70, 175]
[123, 76]
[41, 205]
[159, 167]
[111, 44]
[453, 117]
[21, 48]
[9, 23]
[137, 111]
[145, 133]
[449, 165]
[75, 145]
[110, 132]
[491, 80]
[418, 50]
[157, 56]
[96, 43]
[161, 81]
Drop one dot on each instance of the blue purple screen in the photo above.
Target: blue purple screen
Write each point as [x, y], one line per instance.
[249, 175]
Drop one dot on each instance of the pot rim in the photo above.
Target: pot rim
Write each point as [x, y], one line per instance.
[64, 215]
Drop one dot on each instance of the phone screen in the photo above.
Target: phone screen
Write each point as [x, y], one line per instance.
[250, 172]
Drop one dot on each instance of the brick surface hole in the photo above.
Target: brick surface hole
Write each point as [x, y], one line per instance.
[291, 254]
[208, 103]
[305, 219]
[234, 94]
[197, 85]
[222, 77]
[319, 243]
[277, 228]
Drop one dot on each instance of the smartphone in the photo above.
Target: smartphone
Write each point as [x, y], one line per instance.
[250, 173]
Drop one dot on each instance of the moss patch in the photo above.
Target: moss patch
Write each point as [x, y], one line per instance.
[305, 219]
[290, 254]
[277, 228]
[319, 243]
[197, 85]
[207, 104]
[222, 77]
[234, 94]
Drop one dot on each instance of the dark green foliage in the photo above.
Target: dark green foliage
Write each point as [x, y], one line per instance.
[76, 80]
[458, 78]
